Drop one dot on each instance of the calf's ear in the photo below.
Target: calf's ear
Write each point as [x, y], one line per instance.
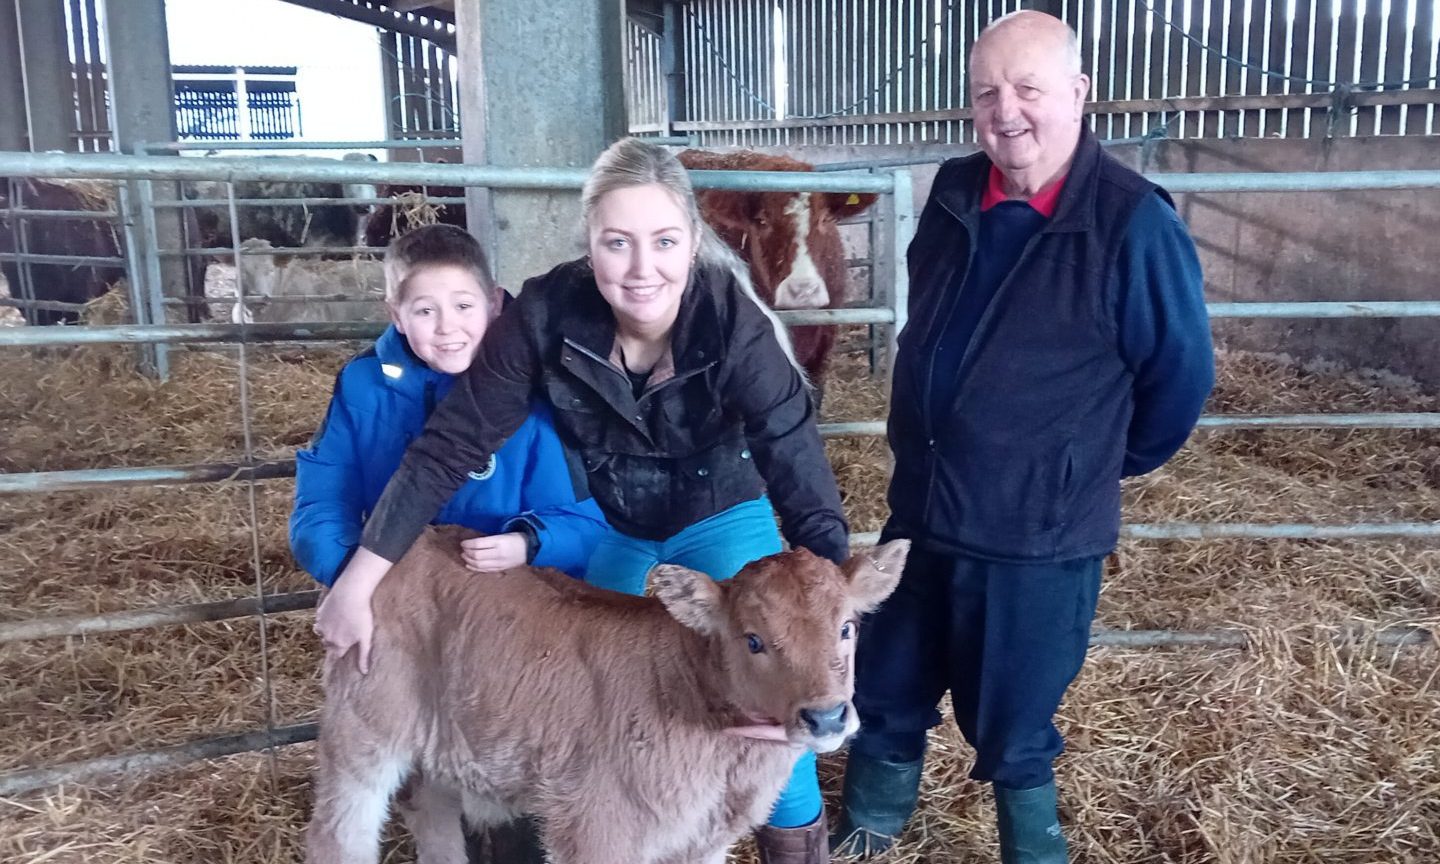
[691, 597]
[874, 573]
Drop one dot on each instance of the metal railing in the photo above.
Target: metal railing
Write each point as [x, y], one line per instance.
[894, 186]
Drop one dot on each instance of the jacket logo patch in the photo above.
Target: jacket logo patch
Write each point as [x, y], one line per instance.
[487, 472]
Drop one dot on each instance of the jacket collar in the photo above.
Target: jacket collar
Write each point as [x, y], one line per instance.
[404, 372]
[1075, 211]
[587, 321]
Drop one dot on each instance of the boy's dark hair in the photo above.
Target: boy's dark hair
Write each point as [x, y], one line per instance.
[436, 246]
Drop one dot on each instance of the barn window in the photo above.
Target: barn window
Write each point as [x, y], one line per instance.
[208, 102]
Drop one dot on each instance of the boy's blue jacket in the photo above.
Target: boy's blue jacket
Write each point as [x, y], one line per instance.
[381, 401]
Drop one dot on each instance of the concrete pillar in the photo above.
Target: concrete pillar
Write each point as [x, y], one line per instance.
[14, 130]
[45, 59]
[142, 95]
[142, 110]
[540, 85]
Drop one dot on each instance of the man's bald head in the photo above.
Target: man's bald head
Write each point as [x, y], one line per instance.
[1028, 96]
[1032, 26]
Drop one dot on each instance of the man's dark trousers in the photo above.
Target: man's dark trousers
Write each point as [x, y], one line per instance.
[1005, 639]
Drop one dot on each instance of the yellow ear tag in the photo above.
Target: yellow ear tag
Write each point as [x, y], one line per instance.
[853, 199]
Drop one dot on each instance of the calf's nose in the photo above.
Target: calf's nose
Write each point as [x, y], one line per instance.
[825, 721]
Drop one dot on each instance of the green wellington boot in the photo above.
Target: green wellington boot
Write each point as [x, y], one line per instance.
[1029, 825]
[878, 799]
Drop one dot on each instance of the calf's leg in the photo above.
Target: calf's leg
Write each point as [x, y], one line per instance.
[432, 812]
[353, 786]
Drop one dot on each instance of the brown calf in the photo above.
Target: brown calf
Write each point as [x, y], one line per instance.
[634, 727]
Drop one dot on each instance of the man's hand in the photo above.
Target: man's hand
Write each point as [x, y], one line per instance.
[495, 552]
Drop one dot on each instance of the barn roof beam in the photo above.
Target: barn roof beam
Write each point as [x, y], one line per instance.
[386, 18]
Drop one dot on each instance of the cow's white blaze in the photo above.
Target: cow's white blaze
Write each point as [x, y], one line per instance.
[802, 288]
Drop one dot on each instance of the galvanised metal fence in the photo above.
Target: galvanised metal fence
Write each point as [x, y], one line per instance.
[896, 221]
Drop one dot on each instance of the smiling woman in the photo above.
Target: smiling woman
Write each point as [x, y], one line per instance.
[642, 245]
[673, 385]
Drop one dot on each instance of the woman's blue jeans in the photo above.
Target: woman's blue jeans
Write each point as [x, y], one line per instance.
[718, 546]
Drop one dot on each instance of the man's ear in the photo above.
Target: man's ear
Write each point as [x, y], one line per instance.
[692, 598]
[1082, 89]
[874, 573]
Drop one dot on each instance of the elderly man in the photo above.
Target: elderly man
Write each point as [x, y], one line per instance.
[1057, 341]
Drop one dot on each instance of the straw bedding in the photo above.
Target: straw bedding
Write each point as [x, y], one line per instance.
[1294, 749]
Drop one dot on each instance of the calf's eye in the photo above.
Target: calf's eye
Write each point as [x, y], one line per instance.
[847, 630]
[755, 643]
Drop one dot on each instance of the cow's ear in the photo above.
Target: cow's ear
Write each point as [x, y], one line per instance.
[843, 205]
[692, 598]
[874, 573]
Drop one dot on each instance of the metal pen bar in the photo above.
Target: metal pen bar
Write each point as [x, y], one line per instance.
[151, 761]
[63, 260]
[1322, 421]
[1300, 181]
[157, 616]
[1277, 531]
[128, 334]
[200, 203]
[221, 472]
[87, 215]
[158, 475]
[44, 305]
[372, 297]
[109, 165]
[1327, 309]
[58, 481]
[133, 765]
[1390, 637]
[291, 251]
[334, 330]
[393, 144]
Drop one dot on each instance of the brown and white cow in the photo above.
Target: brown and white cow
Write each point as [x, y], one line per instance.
[638, 729]
[791, 240]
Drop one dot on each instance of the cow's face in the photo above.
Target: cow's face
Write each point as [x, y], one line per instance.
[791, 241]
[785, 630]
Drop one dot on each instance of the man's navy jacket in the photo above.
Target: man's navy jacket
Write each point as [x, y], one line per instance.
[1090, 359]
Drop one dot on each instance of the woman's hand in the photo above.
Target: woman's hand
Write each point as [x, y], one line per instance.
[495, 552]
[344, 619]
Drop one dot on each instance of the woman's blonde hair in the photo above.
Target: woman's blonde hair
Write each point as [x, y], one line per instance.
[635, 162]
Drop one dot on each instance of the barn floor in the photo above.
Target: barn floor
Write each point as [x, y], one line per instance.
[1293, 750]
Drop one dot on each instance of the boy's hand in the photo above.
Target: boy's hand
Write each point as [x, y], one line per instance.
[495, 552]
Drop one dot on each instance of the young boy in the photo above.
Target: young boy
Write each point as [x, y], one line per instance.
[441, 299]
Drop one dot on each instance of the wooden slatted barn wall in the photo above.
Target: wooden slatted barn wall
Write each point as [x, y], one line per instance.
[87, 59]
[644, 79]
[422, 86]
[894, 71]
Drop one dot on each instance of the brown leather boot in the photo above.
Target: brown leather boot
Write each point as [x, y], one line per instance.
[807, 844]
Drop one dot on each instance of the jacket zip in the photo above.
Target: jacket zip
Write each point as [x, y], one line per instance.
[639, 424]
[972, 234]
